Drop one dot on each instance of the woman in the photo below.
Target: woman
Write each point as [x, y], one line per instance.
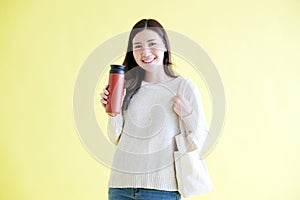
[153, 105]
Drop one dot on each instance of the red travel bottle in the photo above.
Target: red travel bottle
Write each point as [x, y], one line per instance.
[115, 89]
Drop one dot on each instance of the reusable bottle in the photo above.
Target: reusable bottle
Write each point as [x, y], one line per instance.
[115, 89]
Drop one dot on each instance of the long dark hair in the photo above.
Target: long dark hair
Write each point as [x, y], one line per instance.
[135, 74]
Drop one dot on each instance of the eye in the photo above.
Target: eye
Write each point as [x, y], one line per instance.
[152, 44]
[137, 46]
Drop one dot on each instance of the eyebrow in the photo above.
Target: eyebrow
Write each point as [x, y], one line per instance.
[147, 41]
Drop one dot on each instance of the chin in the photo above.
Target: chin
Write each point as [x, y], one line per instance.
[150, 67]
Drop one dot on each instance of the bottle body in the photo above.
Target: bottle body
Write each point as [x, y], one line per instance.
[115, 89]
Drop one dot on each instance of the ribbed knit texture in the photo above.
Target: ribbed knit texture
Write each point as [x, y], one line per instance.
[144, 135]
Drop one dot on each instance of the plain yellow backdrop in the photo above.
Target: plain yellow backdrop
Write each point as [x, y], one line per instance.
[254, 44]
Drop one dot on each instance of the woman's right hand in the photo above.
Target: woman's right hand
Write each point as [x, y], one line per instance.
[104, 96]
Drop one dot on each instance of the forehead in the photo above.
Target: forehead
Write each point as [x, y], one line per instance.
[145, 35]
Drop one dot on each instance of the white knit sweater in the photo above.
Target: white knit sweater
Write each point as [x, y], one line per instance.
[144, 135]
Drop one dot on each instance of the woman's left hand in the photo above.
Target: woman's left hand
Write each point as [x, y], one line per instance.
[182, 106]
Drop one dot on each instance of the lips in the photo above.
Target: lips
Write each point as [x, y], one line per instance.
[149, 60]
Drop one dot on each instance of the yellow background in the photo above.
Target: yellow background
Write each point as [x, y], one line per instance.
[254, 44]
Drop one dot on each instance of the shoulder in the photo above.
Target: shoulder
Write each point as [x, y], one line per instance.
[186, 84]
[188, 88]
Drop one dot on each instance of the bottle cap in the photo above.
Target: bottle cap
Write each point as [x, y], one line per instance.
[118, 69]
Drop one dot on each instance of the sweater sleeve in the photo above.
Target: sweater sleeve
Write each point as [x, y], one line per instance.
[114, 128]
[195, 123]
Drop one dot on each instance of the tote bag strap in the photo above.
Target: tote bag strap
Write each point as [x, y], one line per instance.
[181, 90]
[183, 140]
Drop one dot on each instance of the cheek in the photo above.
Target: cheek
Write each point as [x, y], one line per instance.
[160, 54]
[136, 56]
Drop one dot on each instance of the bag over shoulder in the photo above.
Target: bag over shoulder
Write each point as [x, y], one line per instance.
[191, 171]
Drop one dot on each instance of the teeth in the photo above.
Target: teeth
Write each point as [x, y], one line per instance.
[147, 61]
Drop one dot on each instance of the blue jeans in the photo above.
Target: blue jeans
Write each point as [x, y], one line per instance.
[141, 194]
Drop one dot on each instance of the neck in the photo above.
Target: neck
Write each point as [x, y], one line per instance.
[155, 77]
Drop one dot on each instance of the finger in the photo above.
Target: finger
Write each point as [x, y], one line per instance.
[178, 102]
[183, 102]
[103, 96]
[175, 104]
[179, 97]
[105, 91]
[103, 101]
[177, 107]
[177, 111]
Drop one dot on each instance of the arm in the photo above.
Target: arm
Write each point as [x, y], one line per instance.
[114, 128]
[115, 122]
[194, 121]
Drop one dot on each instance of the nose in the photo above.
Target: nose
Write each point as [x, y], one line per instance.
[145, 51]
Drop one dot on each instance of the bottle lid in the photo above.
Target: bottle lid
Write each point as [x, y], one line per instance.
[118, 69]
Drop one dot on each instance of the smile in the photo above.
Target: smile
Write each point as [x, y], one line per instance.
[149, 61]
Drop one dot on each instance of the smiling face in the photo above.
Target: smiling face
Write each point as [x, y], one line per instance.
[148, 50]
